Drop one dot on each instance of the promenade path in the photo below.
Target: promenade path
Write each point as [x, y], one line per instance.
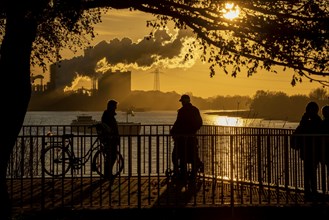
[155, 198]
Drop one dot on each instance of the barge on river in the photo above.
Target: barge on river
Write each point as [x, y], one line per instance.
[83, 122]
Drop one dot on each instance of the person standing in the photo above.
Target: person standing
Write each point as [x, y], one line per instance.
[325, 118]
[112, 136]
[325, 131]
[309, 124]
[183, 131]
[324, 147]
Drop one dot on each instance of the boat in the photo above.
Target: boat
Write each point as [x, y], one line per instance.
[83, 122]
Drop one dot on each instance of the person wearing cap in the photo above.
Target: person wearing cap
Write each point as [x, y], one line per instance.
[183, 131]
[113, 138]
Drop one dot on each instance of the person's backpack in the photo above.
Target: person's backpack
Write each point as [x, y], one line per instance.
[297, 141]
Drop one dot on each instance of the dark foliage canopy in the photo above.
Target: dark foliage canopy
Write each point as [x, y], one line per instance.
[292, 34]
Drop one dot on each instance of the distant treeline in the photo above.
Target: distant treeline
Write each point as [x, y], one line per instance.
[264, 104]
[138, 100]
[280, 106]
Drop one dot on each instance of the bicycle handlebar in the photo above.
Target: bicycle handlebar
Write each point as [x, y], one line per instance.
[54, 139]
[68, 136]
[94, 125]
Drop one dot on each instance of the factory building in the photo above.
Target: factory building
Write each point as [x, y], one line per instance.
[111, 84]
[115, 85]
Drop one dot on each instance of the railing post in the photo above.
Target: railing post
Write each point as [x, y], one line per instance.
[139, 185]
[213, 166]
[129, 156]
[269, 165]
[43, 173]
[269, 161]
[231, 173]
[323, 161]
[259, 168]
[286, 163]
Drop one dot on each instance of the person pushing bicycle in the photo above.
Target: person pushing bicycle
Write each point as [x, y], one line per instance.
[111, 136]
[183, 132]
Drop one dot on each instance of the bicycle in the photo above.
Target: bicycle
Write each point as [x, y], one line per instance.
[186, 157]
[59, 158]
[186, 176]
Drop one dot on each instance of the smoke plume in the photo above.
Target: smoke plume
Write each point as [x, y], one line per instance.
[164, 50]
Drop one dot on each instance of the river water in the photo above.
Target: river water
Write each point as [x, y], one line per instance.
[151, 117]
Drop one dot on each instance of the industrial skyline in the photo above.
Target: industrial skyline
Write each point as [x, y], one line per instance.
[124, 33]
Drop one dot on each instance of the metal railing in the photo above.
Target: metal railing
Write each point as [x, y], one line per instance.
[241, 166]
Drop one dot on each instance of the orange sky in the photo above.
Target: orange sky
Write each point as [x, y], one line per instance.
[195, 79]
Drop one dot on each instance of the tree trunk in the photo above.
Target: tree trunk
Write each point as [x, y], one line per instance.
[15, 72]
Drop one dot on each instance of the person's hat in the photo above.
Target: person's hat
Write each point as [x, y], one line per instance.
[112, 103]
[185, 98]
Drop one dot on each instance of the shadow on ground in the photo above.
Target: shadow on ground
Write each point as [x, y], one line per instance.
[227, 213]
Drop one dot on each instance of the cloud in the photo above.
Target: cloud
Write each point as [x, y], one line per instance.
[164, 49]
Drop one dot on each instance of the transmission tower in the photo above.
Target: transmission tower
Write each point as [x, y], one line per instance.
[156, 85]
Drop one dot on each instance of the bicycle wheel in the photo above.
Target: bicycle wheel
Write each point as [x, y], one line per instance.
[56, 161]
[100, 162]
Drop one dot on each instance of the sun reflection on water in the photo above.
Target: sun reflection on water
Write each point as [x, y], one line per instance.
[228, 121]
[246, 122]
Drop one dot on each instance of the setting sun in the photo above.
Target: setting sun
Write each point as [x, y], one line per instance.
[231, 11]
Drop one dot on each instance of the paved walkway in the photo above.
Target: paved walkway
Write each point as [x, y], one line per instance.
[155, 198]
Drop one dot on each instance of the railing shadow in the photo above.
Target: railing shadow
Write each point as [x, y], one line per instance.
[178, 193]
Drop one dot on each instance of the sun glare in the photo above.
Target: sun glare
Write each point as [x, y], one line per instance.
[228, 121]
[231, 11]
